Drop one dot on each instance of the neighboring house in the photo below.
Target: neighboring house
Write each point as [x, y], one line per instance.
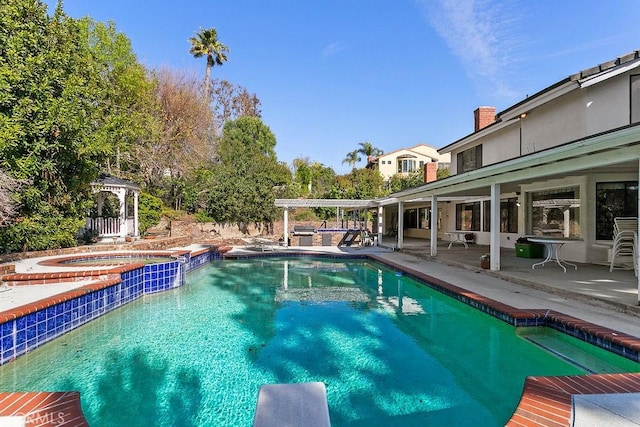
[408, 160]
[563, 162]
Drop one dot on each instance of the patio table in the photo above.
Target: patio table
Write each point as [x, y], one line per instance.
[459, 238]
[553, 247]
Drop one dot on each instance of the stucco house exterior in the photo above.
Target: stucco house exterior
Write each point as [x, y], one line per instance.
[563, 162]
[408, 160]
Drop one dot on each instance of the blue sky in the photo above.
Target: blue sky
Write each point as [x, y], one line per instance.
[333, 73]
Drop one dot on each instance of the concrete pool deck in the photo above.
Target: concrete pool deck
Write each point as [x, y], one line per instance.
[591, 293]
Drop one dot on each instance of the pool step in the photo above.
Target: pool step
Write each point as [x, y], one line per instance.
[300, 404]
[590, 359]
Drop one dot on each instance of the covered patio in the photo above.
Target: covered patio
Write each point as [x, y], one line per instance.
[578, 165]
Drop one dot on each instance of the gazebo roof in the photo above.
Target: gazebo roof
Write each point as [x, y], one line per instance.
[111, 181]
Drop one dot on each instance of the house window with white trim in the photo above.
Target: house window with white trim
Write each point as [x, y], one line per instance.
[470, 159]
[614, 199]
[406, 165]
[555, 213]
[468, 216]
[508, 215]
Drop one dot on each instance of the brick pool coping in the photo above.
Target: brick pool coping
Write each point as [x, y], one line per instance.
[44, 409]
[545, 401]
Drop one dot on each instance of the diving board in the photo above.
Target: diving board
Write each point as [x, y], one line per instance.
[299, 404]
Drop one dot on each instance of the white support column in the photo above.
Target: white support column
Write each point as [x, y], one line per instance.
[380, 222]
[434, 225]
[400, 225]
[495, 227]
[638, 241]
[122, 197]
[286, 226]
[136, 229]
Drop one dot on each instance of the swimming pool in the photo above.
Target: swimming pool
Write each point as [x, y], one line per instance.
[391, 351]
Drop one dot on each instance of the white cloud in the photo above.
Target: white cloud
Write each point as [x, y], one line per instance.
[481, 34]
[334, 48]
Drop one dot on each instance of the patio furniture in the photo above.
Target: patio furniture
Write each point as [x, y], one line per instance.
[259, 243]
[553, 248]
[457, 237]
[625, 236]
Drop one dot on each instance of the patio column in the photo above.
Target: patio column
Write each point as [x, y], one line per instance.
[495, 227]
[136, 230]
[400, 225]
[286, 226]
[122, 197]
[380, 222]
[434, 225]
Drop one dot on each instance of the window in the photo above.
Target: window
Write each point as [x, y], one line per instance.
[468, 216]
[410, 218]
[508, 216]
[635, 99]
[424, 218]
[614, 199]
[417, 218]
[555, 213]
[406, 165]
[470, 159]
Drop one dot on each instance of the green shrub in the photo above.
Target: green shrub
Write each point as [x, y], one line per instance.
[304, 215]
[149, 211]
[47, 229]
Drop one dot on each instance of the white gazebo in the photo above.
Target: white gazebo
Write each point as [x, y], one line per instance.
[116, 225]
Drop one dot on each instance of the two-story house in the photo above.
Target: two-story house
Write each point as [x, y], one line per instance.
[563, 162]
[408, 160]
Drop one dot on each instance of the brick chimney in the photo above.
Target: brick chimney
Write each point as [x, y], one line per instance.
[483, 117]
[430, 172]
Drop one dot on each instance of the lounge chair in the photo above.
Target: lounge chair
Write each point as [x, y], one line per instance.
[258, 243]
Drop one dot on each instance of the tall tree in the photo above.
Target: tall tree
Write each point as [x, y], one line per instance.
[313, 179]
[232, 101]
[126, 96]
[352, 158]
[251, 133]
[49, 92]
[247, 178]
[185, 140]
[368, 150]
[206, 43]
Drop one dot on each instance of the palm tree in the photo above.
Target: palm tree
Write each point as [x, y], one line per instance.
[206, 43]
[369, 150]
[352, 158]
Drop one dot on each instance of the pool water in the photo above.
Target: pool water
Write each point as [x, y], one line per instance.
[391, 351]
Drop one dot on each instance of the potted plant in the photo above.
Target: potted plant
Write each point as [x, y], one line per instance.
[485, 261]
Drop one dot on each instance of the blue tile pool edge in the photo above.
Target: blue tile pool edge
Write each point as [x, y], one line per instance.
[25, 333]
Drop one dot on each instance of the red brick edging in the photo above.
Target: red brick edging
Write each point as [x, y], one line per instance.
[44, 409]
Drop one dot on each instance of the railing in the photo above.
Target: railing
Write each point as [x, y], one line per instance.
[109, 226]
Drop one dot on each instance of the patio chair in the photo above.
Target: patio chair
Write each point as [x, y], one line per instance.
[258, 243]
[625, 236]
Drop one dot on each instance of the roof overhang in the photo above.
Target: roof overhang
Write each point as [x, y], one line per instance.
[607, 74]
[324, 203]
[618, 146]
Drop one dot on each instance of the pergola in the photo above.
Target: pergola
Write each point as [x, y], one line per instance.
[126, 223]
[345, 204]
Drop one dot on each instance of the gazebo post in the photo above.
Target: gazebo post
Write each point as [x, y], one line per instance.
[122, 215]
